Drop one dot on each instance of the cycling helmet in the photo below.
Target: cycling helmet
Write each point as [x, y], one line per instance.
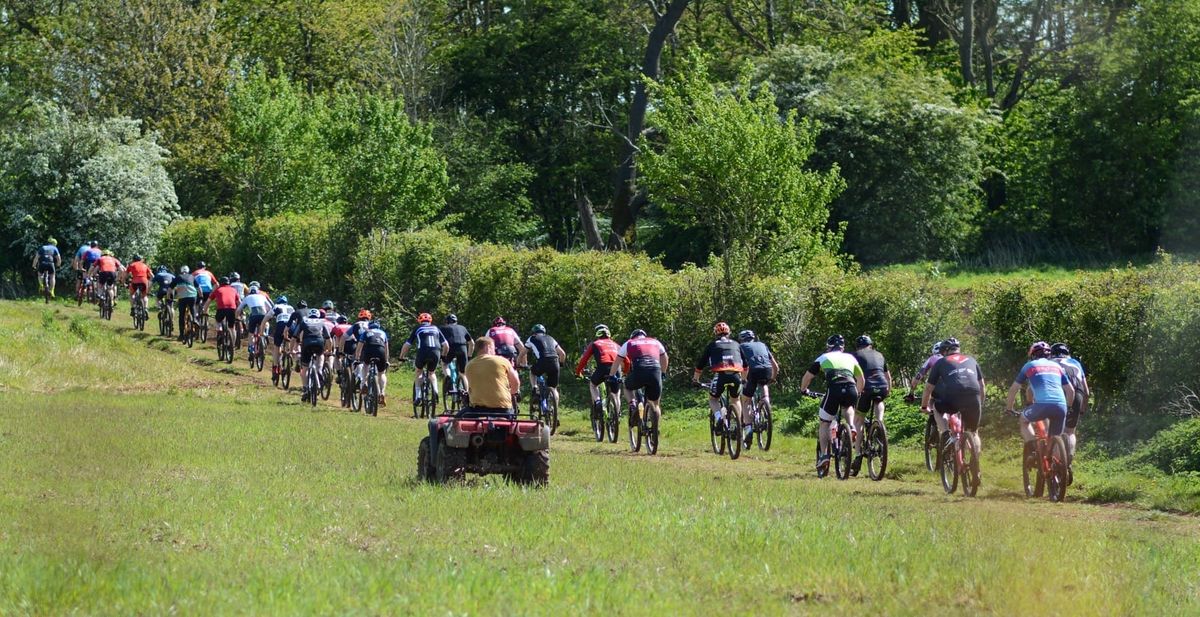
[937, 347]
[637, 333]
[52, 241]
[374, 325]
[201, 265]
[255, 284]
[224, 280]
[1039, 349]
[949, 345]
[539, 328]
[342, 319]
[234, 276]
[163, 268]
[721, 329]
[253, 289]
[327, 305]
[94, 244]
[184, 269]
[1060, 350]
[836, 341]
[314, 314]
[107, 253]
[499, 321]
[451, 318]
[602, 331]
[302, 304]
[424, 318]
[746, 336]
[281, 300]
[137, 257]
[364, 314]
[864, 341]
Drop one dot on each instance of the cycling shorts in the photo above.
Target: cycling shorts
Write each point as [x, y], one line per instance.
[839, 395]
[203, 295]
[108, 278]
[426, 359]
[755, 378]
[277, 333]
[548, 371]
[510, 356]
[46, 267]
[966, 405]
[601, 375]
[162, 292]
[375, 354]
[310, 349]
[254, 322]
[872, 394]
[1054, 414]
[458, 355]
[727, 381]
[138, 287]
[228, 316]
[649, 378]
[1073, 414]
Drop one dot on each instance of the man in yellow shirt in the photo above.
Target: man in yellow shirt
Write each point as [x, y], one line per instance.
[493, 381]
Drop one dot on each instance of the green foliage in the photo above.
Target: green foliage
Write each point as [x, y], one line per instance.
[490, 201]
[78, 179]
[188, 241]
[1174, 450]
[772, 218]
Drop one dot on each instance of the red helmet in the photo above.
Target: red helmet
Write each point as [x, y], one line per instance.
[499, 321]
[1040, 349]
[364, 314]
[721, 329]
[424, 318]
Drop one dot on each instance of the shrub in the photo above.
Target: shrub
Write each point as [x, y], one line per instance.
[191, 240]
[1174, 450]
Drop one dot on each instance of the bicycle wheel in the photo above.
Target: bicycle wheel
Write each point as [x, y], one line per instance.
[204, 327]
[841, 455]
[652, 435]
[877, 451]
[371, 398]
[764, 427]
[635, 428]
[552, 413]
[715, 435]
[1056, 481]
[1031, 470]
[970, 485]
[733, 435]
[949, 468]
[356, 395]
[598, 421]
[612, 419]
[190, 337]
[326, 382]
[931, 443]
[429, 400]
[260, 356]
[313, 385]
[821, 473]
[285, 371]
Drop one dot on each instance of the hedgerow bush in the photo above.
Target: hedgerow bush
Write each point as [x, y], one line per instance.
[191, 240]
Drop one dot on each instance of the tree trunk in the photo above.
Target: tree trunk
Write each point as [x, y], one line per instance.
[587, 220]
[624, 207]
[966, 46]
[901, 13]
[1037, 21]
[928, 22]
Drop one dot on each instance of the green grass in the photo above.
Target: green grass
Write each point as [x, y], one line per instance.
[228, 497]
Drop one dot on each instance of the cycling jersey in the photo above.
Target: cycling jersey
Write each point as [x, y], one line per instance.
[90, 256]
[240, 287]
[226, 298]
[79, 253]
[874, 367]
[340, 330]
[332, 316]
[184, 286]
[107, 263]
[757, 355]
[426, 338]
[838, 367]
[373, 339]
[643, 352]
[507, 340]
[258, 304]
[929, 362]
[1077, 364]
[456, 335]
[721, 356]
[139, 273]
[544, 348]
[314, 330]
[604, 350]
[956, 376]
[164, 281]
[1046, 378]
[204, 280]
[282, 313]
[48, 254]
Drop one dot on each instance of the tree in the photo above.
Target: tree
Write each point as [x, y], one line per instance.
[79, 179]
[489, 201]
[732, 166]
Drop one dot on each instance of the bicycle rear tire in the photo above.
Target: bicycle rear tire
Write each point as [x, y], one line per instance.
[285, 371]
[552, 416]
[635, 429]
[612, 419]
[877, 449]
[652, 435]
[841, 457]
[598, 422]
[765, 428]
[733, 435]
[931, 443]
[949, 469]
[1056, 483]
[970, 487]
[715, 436]
[326, 382]
[1031, 470]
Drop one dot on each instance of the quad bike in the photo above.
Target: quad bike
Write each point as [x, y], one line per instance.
[486, 444]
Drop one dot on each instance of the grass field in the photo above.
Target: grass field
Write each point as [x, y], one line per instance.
[141, 478]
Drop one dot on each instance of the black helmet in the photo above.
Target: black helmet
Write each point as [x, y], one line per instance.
[234, 276]
[451, 318]
[342, 319]
[539, 328]
[137, 257]
[637, 333]
[201, 265]
[836, 341]
[163, 268]
[746, 336]
[948, 345]
[224, 280]
[864, 341]
[93, 244]
[1060, 350]
[302, 305]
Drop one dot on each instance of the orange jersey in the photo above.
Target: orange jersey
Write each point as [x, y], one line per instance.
[107, 263]
[139, 272]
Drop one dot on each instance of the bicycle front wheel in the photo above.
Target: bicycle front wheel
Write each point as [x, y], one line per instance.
[877, 451]
[931, 443]
[970, 474]
[949, 468]
[733, 435]
[1056, 482]
[612, 419]
[842, 452]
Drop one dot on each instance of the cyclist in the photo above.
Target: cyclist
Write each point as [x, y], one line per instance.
[761, 369]
[106, 269]
[48, 259]
[648, 361]
[84, 258]
[281, 312]
[508, 342]
[548, 357]
[313, 333]
[235, 281]
[722, 357]
[462, 345]
[604, 350]
[373, 347]
[844, 380]
[1060, 353]
[257, 306]
[330, 313]
[1051, 392]
[138, 274]
[935, 355]
[183, 289]
[878, 380]
[226, 298]
[956, 383]
[340, 343]
[205, 283]
[431, 346]
[163, 281]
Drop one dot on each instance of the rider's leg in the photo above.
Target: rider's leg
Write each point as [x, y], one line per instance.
[823, 437]
[418, 380]
[1069, 437]
[855, 429]
[595, 390]
[714, 405]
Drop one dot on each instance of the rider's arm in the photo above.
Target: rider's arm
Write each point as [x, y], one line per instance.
[1085, 392]
[470, 346]
[34, 263]
[701, 363]
[774, 368]
[1013, 391]
[806, 381]
[859, 379]
[404, 350]
[1069, 392]
[583, 360]
[663, 359]
[616, 365]
[445, 348]
[562, 355]
[927, 397]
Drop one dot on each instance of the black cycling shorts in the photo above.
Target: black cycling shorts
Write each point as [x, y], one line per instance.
[755, 378]
[871, 395]
[649, 378]
[277, 333]
[310, 349]
[228, 316]
[376, 355]
[728, 381]
[547, 369]
[966, 404]
[1073, 413]
[427, 359]
[108, 278]
[46, 267]
[601, 375]
[839, 395]
[253, 322]
[458, 355]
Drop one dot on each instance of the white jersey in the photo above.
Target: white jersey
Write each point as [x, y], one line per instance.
[240, 287]
[283, 313]
[257, 303]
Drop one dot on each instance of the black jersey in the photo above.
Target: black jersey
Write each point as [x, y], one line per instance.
[874, 367]
[721, 356]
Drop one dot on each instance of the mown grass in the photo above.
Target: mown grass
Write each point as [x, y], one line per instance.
[239, 500]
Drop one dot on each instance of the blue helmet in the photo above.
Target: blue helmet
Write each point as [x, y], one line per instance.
[374, 325]
[281, 300]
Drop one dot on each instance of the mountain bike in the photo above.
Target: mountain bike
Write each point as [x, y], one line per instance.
[106, 302]
[256, 351]
[348, 384]
[286, 366]
[312, 383]
[724, 427]
[224, 345]
[424, 400]
[1044, 464]
[542, 406]
[840, 444]
[370, 402]
[875, 446]
[453, 393]
[47, 290]
[326, 378]
[960, 460]
[202, 326]
[166, 319]
[932, 437]
[642, 425]
[189, 328]
[760, 417]
[139, 312]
